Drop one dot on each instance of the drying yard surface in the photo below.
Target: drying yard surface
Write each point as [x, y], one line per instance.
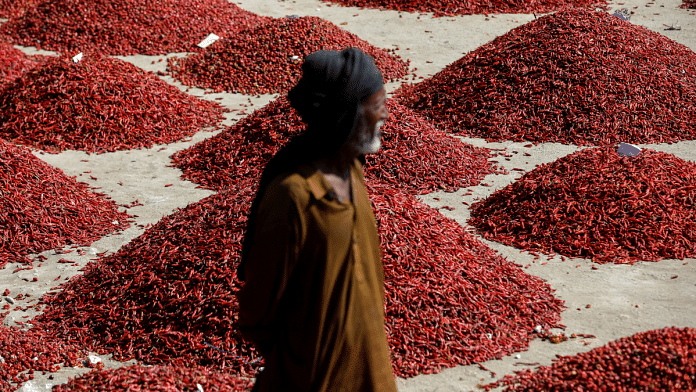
[563, 264]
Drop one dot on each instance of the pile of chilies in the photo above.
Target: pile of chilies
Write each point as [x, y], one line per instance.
[458, 7]
[657, 360]
[167, 296]
[598, 204]
[573, 77]
[25, 352]
[156, 378]
[98, 104]
[688, 4]
[13, 63]
[41, 208]
[416, 157]
[14, 8]
[451, 300]
[268, 58]
[124, 27]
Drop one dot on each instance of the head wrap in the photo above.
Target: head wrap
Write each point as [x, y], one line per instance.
[327, 98]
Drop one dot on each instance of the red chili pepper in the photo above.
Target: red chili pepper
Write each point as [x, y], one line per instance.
[233, 64]
[590, 204]
[64, 105]
[415, 157]
[13, 62]
[453, 7]
[545, 81]
[47, 209]
[656, 360]
[156, 28]
[174, 378]
[31, 350]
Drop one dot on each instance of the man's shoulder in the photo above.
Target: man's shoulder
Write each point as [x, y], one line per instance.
[293, 185]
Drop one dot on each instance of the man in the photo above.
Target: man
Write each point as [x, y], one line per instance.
[313, 298]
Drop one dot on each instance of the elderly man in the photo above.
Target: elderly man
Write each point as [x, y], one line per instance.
[313, 298]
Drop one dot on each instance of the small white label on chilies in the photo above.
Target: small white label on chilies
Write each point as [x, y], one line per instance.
[77, 58]
[623, 14]
[628, 150]
[208, 41]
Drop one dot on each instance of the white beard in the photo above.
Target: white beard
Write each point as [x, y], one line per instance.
[373, 145]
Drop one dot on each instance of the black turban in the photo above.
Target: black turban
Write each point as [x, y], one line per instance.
[333, 86]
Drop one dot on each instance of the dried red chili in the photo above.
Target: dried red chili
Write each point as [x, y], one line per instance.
[658, 360]
[268, 58]
[458, 7]
[124, 27]
[166, 295]
[575, 76]
[14, 8]
[598, 204]
[13, 63]
[32, 350]
[415, 157]
[156, 378]
[98, 104]
[41, 208]
[450, 299]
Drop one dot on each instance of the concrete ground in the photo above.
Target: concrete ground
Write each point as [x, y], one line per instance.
[624, 299]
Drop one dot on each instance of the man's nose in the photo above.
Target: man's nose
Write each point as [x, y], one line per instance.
[384, 113]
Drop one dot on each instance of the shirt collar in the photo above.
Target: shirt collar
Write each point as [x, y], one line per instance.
[316, 181]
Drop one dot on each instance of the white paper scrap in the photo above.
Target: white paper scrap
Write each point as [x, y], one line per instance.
[628, 150]
[77, 57]
[623, 14]
[208, 41]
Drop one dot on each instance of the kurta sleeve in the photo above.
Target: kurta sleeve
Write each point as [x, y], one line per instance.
[272, 257]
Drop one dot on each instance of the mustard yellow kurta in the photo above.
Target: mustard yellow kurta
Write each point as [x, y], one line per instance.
[313, 299]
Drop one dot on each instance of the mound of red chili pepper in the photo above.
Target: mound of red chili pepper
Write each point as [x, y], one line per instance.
[574, 77]
[41, 208]
[12, 63]
[125, 27]
[598, 204]
[415, 157]
[268, 58]
[658, 360]
[14, 8]
[458, 7]
[168, 296]
[688, 4]
[156, 378]
[32, 350]
[98, 104]
[451, 300]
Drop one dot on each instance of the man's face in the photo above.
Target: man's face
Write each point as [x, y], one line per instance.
[367, 137]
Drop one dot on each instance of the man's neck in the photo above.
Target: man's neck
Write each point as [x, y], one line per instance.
[338, 164]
